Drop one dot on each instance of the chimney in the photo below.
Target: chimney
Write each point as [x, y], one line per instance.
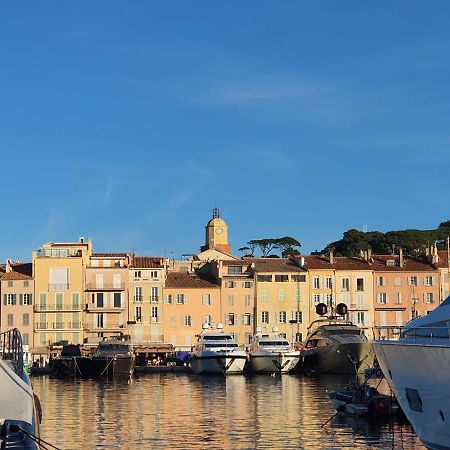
[302, 261]
[361, 254]
[331, 257]
[400, 258]
[435, 255]
[81, 240]
[8, 267]
[369, 255]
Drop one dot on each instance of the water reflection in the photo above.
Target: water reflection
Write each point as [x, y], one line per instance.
[179, 411]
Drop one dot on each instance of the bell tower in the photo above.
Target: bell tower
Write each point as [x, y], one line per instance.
[216, 234]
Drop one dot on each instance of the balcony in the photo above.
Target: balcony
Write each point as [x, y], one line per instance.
[59, 253]
[105, 329]
[138, 298]
[64, 326]
[154, 298]
[147, 339]
[57, 307]
[105, 287]
[93, 307]
[58, 286]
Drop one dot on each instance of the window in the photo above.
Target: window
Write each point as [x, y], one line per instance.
[154, 296]
[234, 270]
[345, 284]
[265, 295]
[137, 274]
[247, 300]
[264, 278]
[100, 322]
[398, 281]
[247, 319]
[26, 283]
[428, 281]
[60, 301]
[10, 320]
[138, 294]
[188, 321]
[381, 281]
[26, 319]
[117, 263]
[282, 295]
[429, 297]
[27, 299]
[282, 317]
[154, 314]
[281, 278]
[117, 299]
[169, 299]
[248, 338]
[329, 300]
[100, 299]
[206, 299]
[316, 299]
[390, 262]
[207, 319]
[138, 314]
[265, 316]
[413, 281]
[316, 283]
[181, 299]
[360, 318]
[230, 284]
[9, 299]
[398, 317]
[231, 300]
[25, 339]
[382, 318]
[58, 279]
[298, 278]
[297, 316]
[329, 282]
[230, 318]
[153, 274]
[398, 299]
[75, 300]
[10, 284]
[360, 284]
[247, 284]
[382, 298]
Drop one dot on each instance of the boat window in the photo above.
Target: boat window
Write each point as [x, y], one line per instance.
[312, 343]
[221, 345]
[223, 337]
[274, 343]
[347, 332]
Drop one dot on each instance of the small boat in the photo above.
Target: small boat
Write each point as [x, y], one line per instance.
[217, 353]
[71, 363]
[272, 353]
[20, 413]
[114, 358]
[335, 345]
[364, 401]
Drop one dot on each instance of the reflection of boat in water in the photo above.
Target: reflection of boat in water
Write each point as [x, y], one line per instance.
[417, 367]
[217, 353]
[335, 345]
[19, 408]
[71, 363]
[114, 358]
[364, 401]
[272, 353]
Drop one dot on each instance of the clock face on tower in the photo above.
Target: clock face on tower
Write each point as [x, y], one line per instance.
[219, 231]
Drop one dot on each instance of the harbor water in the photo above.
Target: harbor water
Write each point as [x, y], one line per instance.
[168, 411]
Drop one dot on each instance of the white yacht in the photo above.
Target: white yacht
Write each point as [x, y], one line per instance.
[217, 353]
[417, 367]
[272, 353]
[19, 407]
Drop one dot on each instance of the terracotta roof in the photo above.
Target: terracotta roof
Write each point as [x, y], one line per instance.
[443, 259]
[185, 280]
[20, 271]
[275, 265]
[410, 264]
[147, 262]
[109, 255]
[237, 262]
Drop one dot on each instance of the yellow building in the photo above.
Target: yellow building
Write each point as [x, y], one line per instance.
[281, 296]
[58, 270]
[216, 234]
[146, 280]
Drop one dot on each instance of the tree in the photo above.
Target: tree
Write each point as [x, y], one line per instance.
[247, 251]
[445, 224]
[287, 245]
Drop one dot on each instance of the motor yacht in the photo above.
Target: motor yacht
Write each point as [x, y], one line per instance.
[114, 358]
[335, 345]
[20, 413]
[71, 363]
[217, 353]
[272, 353]
[417, 368]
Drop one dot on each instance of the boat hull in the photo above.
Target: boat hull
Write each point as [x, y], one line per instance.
[218, 364]
[339, 358]
[268, 362]
[112, 366]
[71, 367]
[419, 376]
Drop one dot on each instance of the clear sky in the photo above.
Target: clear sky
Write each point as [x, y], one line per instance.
[128, 122]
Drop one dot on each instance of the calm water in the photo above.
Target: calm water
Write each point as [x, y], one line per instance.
[168, 411]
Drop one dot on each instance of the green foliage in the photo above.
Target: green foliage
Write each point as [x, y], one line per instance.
[412, 241]
[286, 246]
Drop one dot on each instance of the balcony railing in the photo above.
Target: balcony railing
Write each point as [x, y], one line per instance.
[57, 325]
[154, 298]
[58, 287]
[138, 298]
[105, 287]
[57, 307]
[147, 339]
[104, 307]
[59, 253]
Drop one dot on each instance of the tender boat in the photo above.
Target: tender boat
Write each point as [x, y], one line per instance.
[272, 353]
[364, 401]
[71, 363]
[114, 358]
[217, 353]
[20, 413]
[417, 367]
[335, 345]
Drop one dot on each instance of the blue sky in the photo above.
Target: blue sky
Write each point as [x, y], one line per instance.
[128, 122]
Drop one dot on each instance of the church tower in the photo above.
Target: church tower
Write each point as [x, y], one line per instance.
[216, 234]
